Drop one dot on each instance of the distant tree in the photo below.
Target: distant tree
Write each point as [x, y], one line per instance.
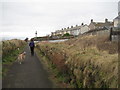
[67, 34]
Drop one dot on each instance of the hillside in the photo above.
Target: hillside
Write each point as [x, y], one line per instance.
[88, 61]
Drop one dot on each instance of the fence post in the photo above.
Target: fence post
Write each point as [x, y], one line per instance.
[111, 34]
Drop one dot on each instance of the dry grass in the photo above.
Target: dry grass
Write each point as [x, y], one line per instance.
[93, 60]
[10, 45]
[10, 52]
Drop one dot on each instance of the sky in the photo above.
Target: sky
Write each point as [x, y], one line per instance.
[22, 18]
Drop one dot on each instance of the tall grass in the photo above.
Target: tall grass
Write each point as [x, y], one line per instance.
[10, 52]
[11, 45]
[90, 61]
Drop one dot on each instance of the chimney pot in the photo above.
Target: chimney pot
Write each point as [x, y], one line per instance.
[106, 20]
[91, 20]
[71, 26]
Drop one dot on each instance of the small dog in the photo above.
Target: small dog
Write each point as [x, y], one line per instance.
[21, 57]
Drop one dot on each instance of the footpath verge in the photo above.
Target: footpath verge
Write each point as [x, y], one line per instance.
[83, 62]
[10, 51]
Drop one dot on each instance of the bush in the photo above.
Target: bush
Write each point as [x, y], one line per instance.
[66, 35]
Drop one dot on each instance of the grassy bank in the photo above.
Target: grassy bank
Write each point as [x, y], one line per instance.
[58, 79]
[87, 61]
[10, 51]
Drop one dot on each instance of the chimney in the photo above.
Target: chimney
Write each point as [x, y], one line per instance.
[76, 25]
[71, 26]
[91, 20]
[82, 24]
[67, 27]
[62, 28]
[106, 20]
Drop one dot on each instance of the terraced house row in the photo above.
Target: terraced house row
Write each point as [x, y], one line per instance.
[77, 30]
[83, 28]
[72, 30]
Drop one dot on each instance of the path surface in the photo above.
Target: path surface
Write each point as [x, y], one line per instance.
[30, 74]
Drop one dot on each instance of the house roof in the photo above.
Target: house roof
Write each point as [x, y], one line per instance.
[118, 17]
[100, 24]
[95, 30]
[74, 28]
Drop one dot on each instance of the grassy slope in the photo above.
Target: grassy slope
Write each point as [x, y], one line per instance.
[89, 61]
[55, 76]
[10, 53]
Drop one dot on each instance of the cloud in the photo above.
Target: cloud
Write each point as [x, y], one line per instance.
[24, 18]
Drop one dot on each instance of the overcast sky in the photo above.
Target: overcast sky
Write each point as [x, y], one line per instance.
[21, 18]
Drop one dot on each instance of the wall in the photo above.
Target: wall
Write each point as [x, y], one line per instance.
[91, 26]
[75, 32]
[84, 29]
[104, 32]
[115, 37]
[116, 23]
[100, 32]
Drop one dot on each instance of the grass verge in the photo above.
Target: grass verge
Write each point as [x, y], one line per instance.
[88, 61]
[9, 59]
[58, 78]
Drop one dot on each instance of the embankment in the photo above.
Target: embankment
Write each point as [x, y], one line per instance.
[10, 51]
[89, 61]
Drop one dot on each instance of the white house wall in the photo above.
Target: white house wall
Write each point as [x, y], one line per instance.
[84, 29]
[75, 32]
[68, 32]
[91, 26]
[117, 23]
[78, 32]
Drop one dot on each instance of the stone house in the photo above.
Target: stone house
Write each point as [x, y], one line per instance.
[75, 30]
[72, 31]
[84, 28]
[117, 21]
[99, 25]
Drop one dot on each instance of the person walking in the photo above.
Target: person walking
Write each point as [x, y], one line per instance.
[32, 45]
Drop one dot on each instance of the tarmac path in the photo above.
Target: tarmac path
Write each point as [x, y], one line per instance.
[30, 74]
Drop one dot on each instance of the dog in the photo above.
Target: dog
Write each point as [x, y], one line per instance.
[21, 57]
